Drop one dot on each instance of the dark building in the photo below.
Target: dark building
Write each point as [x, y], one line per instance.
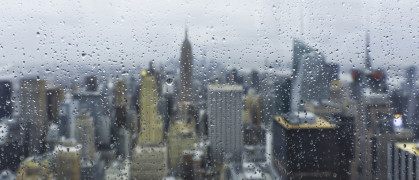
[309, 150]
[254, 80]
[186, 62]
[234, 78]
[91, 83]
[6, 104]
[53, 101]
[283, 96]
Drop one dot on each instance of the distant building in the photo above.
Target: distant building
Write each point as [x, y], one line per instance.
[118, 169]
[225, 107]
[254, 80]
[33, 106]
[186, 71]
[253, 167]
[149, 162]
[181, 137]
[84, 134]
[151, 125]
[35, 167]
[121, 102]
[67, 161]
[374, 132]
[6, 105]
[54, 97]
[311, 74]
[95, 101]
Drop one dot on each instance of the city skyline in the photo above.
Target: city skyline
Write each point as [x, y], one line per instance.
[209, 90]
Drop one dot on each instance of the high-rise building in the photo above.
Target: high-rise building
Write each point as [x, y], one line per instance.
[149, 162]
[34, 113]
[305, 150]
[374, 132]
[151, 125]
[311, 75]
[54, 97]
[6, 104]
[181, 137]
[121, 103]
[94, 99]
[412, 114]
[186, 73]
[84, 134]
[254, 80]
[67, 162]
[225, 107]
[403, 161]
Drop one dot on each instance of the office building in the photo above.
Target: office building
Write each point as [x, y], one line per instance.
[121, 102]
[95, 100]
[6, 105]
[33, 104]
[67, 161]
[54, 97]
[403, 161]
[84, 134]
[151, 125]
[149, 162]
[225, 107]
[35, 167]
[374, 132]
[311, 75]
[305, 150]
[181, 137]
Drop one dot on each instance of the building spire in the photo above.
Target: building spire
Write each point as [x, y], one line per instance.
[186, 32]
[367, 51]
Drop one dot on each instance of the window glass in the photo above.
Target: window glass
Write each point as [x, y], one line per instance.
[209, 89]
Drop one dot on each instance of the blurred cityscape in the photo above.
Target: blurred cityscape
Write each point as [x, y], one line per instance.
[194, 118]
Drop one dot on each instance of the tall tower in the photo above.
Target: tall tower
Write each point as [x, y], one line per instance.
[85, 136]
[151, 125]
[5, 99]
[225, 107]
[185, 93]
[34, 113]
[368, 64]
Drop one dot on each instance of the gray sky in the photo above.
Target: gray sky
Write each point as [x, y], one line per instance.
[240, 33]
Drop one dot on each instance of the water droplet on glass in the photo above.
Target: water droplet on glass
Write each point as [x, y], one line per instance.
[169, 81]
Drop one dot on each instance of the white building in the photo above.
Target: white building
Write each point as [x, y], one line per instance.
[225, 106]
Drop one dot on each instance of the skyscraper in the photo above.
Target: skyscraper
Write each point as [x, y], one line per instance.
[225, 107]
[181, 137]
[151, 125]
[34, 107]
[121, 103]
[54, 97]
[5, 99]
[85, 136]
[186, 91]
[311, 75]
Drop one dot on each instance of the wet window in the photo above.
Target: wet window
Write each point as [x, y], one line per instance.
[209, 90]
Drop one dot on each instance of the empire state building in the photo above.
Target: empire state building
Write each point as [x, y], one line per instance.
[185, 93]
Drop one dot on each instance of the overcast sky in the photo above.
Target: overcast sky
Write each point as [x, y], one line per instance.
[240, 33]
